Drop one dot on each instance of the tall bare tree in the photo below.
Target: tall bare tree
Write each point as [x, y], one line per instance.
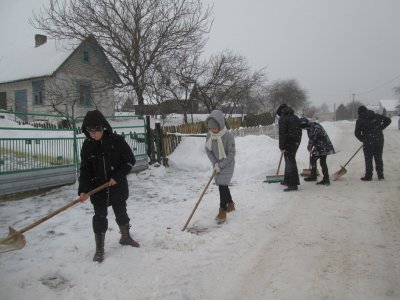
[136, 35]
[288, 92]
[226, 79]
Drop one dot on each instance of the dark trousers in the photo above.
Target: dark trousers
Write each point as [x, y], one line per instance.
[224, 196]
[291, 177]
[100, 222]
[322, 162]
[375, 153]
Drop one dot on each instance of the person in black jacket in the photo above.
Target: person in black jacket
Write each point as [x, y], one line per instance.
[289, 142]
[319, 146]
[105, 157]
[368, 130]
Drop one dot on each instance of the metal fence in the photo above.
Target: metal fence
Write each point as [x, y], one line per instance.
[31, 149]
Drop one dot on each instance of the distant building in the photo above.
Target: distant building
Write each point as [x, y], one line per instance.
[48, 74]
[389, 106]
[172, 106]
[373, 107]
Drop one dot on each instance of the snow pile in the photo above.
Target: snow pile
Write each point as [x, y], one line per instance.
[335, 242]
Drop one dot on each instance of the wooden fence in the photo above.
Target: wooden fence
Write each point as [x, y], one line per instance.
[164, 140]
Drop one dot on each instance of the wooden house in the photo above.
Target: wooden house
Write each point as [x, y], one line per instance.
[71, 77]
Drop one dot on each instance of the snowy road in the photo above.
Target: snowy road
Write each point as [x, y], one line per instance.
[336, 242]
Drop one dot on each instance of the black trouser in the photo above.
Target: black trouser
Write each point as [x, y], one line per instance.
[322, 162]
[291, 177]
[224, 196]
[373, 152]
[100, 222]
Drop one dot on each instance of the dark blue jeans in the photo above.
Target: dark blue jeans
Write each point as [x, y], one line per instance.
[291, 173]
[224, 196]
[100, 222]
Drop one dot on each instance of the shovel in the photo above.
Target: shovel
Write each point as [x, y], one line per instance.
[276, 178]
[343, 170]
[198, 202]
[16, 240]
[307, 172]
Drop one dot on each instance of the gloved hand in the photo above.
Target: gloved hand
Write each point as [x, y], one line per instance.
[309, 147]
[217, 169]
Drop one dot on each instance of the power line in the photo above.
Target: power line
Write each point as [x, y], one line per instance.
[380, 86]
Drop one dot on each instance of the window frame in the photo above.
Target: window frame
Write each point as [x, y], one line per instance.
[38, 92]
[85, 94]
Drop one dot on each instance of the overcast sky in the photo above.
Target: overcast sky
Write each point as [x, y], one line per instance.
[334, 48]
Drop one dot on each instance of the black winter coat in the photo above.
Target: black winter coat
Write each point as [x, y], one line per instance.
[369, 128]
[111, 157]
[319, 140]
[289, 130]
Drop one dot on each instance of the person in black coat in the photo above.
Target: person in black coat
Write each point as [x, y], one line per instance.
[369, 131]
[105, 157]
[289, 142]
[319, 146]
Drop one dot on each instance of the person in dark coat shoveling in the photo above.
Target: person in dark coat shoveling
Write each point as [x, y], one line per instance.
[220, 149]
[289, 142]
[369, 127]
[319, 145]
[105, 157]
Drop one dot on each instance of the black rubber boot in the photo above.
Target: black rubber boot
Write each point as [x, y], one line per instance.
[324, 181]
[126, 237]
[99, 254]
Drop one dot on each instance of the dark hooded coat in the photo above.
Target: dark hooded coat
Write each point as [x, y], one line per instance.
[289, 130]
[369, 128]
[320, 141]
[110, 157]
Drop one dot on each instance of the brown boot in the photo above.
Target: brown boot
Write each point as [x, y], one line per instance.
[126, 237]
[221, 217]
[231, 207]
[99, 254]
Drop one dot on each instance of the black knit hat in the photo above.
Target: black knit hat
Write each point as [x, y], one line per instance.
[280, 108]
[362, 109]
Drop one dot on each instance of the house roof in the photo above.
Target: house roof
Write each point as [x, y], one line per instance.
[389, 104]
[34, 62]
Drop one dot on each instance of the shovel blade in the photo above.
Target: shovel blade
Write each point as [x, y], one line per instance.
[306, 172]
[275, 179]
[339, 173]
[14, 241]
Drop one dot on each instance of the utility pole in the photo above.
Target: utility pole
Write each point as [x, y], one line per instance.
[352, 110]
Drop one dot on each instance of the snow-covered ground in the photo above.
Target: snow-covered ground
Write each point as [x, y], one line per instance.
[335, 242]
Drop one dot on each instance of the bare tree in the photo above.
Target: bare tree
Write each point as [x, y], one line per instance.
[226, 79]
[397, 90]
[136, 35]
[288, 92]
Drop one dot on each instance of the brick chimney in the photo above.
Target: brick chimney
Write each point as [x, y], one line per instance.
[40, 40]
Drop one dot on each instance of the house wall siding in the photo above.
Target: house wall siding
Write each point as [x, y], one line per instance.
[67, 76]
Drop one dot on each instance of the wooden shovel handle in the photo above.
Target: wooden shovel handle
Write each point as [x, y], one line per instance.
[198, 201]
[352, 156]
[279, 165]
[57, 211]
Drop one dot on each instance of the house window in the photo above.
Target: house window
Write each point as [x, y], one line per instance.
[85, 93]
[38, 92]
[85, 56]
[3, 100]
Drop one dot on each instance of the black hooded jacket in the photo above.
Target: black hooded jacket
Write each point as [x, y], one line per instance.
[289, 130]
[110, 157]
[369, 127]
